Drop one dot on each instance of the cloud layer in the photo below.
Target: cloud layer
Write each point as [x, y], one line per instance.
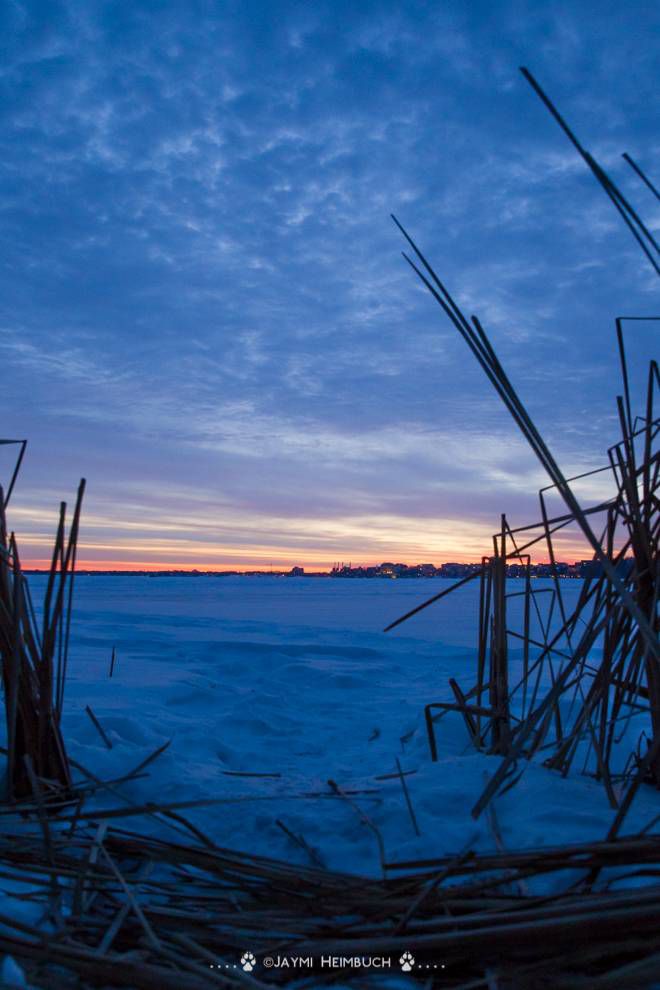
[204, 309]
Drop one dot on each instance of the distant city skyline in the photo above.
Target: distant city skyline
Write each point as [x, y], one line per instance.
[204, 308]
[455, 569]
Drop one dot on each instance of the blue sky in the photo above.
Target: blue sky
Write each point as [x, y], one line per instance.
[204, 307]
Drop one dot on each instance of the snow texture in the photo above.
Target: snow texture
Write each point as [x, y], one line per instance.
[292, 679]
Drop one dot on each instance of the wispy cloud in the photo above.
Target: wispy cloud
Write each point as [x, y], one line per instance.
[201, 280]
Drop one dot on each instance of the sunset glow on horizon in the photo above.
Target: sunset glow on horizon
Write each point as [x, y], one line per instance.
[372, 544]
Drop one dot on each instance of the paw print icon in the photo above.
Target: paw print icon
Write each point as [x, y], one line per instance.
[248, 962]
[407, 961]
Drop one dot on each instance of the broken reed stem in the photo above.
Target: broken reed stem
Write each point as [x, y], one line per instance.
[363, 818]
[406, 794]
[99, 728]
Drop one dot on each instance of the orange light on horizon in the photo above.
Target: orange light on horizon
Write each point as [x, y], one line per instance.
[316, 545]
[155, 566]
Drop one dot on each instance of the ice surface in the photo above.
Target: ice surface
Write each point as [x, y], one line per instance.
[292, 677]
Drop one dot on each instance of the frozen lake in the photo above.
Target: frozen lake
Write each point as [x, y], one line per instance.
[268, 687]
[265, 605]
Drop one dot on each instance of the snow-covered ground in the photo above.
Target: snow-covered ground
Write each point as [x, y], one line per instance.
[293, 679]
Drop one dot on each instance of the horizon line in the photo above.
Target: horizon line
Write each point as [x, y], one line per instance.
[120, 568]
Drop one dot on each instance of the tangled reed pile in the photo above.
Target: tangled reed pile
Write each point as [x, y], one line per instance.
[127, 910]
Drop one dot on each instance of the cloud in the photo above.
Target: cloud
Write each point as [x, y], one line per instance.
[201, 275]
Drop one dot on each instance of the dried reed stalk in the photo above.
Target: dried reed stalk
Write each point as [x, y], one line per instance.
[34, 662]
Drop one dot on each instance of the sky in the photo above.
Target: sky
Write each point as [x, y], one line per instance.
[204, 308]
